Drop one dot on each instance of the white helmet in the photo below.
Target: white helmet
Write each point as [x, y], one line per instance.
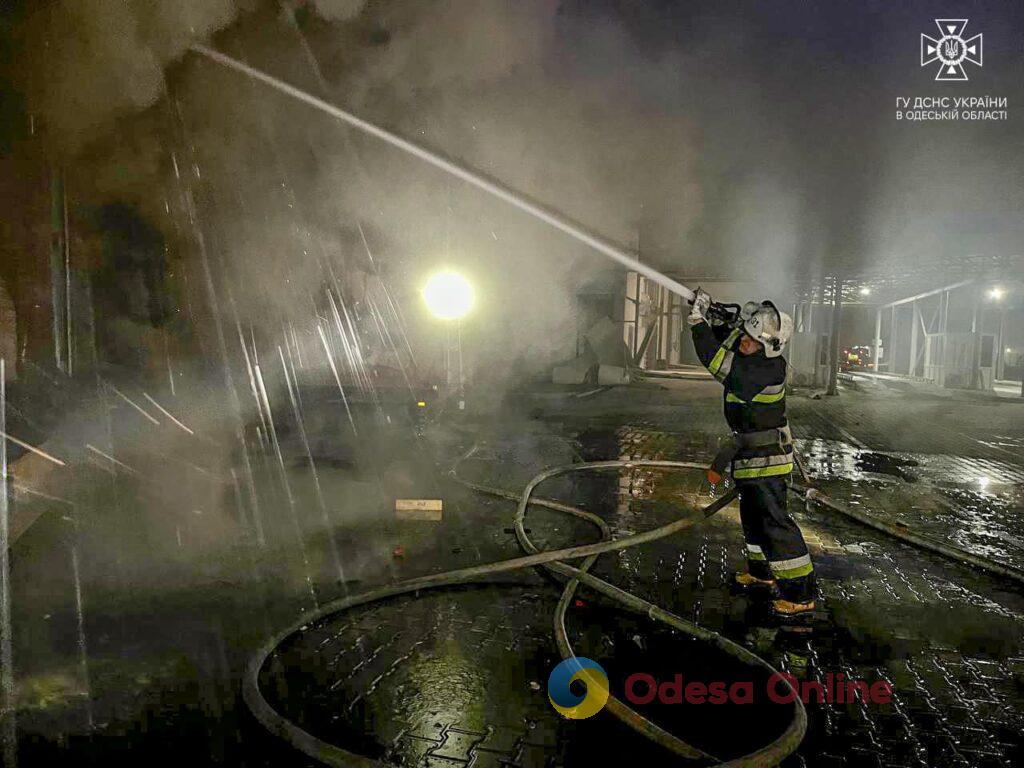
[765, 323]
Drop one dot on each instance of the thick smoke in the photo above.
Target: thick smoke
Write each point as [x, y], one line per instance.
[88, 62]
[694, 135]
[291, 185]
[338, 10]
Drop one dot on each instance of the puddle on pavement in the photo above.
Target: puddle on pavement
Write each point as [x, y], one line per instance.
[836, 460]
[1004, 442]
[976, 504]
[884, 464]
[624, 498]
[450, 673]
[440, 674]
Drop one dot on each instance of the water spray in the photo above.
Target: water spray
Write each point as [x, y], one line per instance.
[491, 186]
[312, 746]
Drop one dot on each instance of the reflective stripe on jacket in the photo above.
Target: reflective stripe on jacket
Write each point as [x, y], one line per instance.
[754, 399]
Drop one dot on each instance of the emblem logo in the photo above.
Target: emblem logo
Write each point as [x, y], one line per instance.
[951, 50]
[578, 705]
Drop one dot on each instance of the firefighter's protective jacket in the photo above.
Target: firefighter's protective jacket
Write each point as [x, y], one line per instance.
[755, 402]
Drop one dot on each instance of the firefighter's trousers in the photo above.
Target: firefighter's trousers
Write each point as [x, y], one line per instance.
[775, 546]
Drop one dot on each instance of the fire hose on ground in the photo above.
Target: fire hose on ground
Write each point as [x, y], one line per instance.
[769, 755]
[812, 495]
[905, 535]
[553, 560]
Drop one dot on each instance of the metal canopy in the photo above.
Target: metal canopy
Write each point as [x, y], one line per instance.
[900, 281]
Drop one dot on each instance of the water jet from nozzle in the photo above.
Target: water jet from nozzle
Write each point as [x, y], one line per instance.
[492, 187]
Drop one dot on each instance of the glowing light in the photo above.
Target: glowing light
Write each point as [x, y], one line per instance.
[995, 294]
[421, 404]
[448, 295]
[984, 481]
[865, 291]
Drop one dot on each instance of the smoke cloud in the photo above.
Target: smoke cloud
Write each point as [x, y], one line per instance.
[87, 62]
[338, 10]
[720, 144]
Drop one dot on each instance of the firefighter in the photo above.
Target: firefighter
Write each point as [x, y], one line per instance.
[745, 354]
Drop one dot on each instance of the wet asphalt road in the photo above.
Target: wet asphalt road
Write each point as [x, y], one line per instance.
[177, 591]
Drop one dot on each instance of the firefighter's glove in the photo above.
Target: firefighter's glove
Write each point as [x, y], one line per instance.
[699, 310]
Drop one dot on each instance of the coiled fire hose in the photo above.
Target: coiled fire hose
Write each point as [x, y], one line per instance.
[331, 754]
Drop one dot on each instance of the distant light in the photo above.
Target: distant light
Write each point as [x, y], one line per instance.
[421, 404]
[448, 295]
[865, 291]
[996, 294]
[1009, 351]
[984, 481]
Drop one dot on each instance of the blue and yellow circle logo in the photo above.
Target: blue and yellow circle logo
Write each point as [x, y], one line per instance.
[572, 705]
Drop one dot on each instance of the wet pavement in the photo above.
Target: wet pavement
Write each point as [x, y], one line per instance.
[176, 591]
[975, 503]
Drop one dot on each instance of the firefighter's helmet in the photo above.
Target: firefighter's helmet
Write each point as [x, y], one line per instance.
[766, 324]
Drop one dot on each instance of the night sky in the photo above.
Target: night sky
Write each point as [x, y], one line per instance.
[724, 136]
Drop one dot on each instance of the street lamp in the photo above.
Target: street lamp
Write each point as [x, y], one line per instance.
[448, 295]
[865, 291]
[996, 293]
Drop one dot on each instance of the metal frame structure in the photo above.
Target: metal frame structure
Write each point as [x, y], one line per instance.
[934, 332]
[927, 348]
[653, 318]
[893, 282]
[923, 344]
